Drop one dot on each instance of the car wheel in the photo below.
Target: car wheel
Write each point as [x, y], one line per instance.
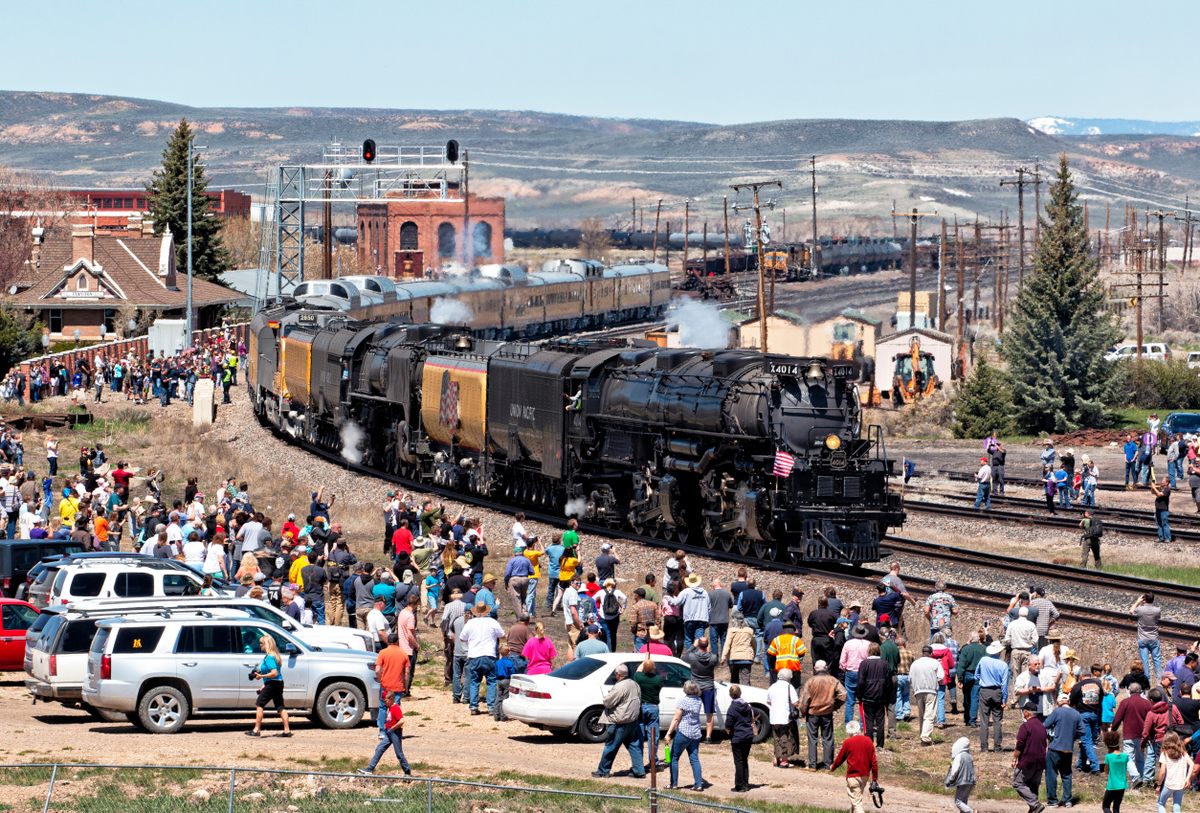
[762, 720]
[340, 705]
[104, 715]
[589, 728]
[163, 710]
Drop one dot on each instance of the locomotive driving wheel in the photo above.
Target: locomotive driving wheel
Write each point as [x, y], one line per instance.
[710, 534]
[764, 551]
[743, 544]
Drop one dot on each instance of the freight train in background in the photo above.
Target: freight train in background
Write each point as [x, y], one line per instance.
[759, 454]
[706, 275]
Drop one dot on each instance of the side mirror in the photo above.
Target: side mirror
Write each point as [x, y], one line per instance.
[291, 649]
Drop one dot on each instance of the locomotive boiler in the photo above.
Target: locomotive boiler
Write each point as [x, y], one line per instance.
[759, 454]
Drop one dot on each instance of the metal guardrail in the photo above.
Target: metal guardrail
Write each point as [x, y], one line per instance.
[434, 794]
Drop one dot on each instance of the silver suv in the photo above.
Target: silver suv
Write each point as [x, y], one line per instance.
[161, 671]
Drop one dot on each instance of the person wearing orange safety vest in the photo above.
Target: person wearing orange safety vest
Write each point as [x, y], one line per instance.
[788, 650]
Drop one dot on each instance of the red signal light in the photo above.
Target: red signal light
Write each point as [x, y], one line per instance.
[368, 151]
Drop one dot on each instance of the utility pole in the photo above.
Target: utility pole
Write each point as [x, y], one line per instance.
[1162, 260]
[978, 274]
[191, 169]
[1187, 230]
[1037, 202]
[466, 211]
[755, 186]
[687, 208]
[960, 272]
[812, 255]
[1137, 251]
[941, 294]
[913, 217]
[725, 201]
[327, 229]
[1020, 183]
[657, 215]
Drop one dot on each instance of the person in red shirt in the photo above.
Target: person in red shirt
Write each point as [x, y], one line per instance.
[591, 585]
[290, 527]
[858, 752]
[393, 735]
[402, 540]
[121, 476]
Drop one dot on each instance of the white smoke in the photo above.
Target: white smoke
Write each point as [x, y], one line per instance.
[352, 439]
[450, 312]
[700, 324]
[575, 508]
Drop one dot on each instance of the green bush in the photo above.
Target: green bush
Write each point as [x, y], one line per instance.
[1161, 384]
[983, 403]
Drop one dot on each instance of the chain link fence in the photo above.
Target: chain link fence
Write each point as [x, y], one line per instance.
[82, 788]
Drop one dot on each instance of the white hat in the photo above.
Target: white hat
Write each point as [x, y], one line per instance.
[995, 648]
[606, 546]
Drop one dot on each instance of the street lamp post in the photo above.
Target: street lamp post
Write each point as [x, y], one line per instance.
[192, 150]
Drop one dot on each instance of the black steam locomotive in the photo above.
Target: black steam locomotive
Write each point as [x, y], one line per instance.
[759, 454]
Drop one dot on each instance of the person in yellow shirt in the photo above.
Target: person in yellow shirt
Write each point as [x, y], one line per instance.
[298, 565]
[535, 557]
[566, 572]
[68, 508]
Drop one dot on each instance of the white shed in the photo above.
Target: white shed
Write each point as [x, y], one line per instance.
[940, 345]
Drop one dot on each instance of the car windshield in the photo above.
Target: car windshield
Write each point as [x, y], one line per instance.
[577, 669]
[1185, 422]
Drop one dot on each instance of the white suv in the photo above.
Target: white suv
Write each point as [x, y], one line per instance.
[319, 635]
[161, 671]
[121, 578]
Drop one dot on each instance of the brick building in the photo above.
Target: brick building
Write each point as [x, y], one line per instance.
[77, 279]
[409, 237]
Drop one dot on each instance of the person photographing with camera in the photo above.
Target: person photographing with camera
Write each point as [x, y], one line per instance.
[270, 672]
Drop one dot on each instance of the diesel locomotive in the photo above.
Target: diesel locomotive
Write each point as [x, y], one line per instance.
[762, 455]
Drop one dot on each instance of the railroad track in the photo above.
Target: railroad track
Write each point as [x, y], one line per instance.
[1053, 521]
[1103, 511]
[988, 599]
[1033, 482]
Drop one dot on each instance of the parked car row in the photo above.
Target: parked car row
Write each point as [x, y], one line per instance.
[1151, 351]
[129, 638]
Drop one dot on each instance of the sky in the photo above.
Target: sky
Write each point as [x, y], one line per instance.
[720, 62]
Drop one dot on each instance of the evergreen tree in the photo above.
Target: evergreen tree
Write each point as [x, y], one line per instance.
[983, 404]
[1060, 330]
[168, 207]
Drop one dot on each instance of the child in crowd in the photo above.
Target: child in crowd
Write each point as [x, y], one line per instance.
[1108, 706]
[1117, 765]
[1175, 772]
[393, 735]
[961, 775]
[503, 671]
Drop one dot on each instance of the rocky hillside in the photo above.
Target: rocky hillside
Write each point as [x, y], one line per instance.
[557, 169]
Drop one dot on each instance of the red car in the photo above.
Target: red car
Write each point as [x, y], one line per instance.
[16, 616]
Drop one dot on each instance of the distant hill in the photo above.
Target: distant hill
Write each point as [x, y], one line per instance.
[557, 169]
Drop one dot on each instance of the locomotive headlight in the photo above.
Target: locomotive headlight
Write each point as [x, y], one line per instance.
[833, 443]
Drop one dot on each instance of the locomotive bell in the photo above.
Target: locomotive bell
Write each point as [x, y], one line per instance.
[815, 370]
[462, 343]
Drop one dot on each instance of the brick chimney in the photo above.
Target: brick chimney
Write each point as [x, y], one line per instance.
[39, 237]
[83, 240]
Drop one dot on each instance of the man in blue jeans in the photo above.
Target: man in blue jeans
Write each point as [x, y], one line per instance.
[1065, 728]
[623, 715]
[1148, 615]
[1131, 462]
[1087, 697]
[983, 485]
[481, 635]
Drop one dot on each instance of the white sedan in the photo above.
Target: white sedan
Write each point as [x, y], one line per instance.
[571, 698]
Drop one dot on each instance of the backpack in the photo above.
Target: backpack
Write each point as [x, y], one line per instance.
[1095, 528]
[612, 607]
[587, 606]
